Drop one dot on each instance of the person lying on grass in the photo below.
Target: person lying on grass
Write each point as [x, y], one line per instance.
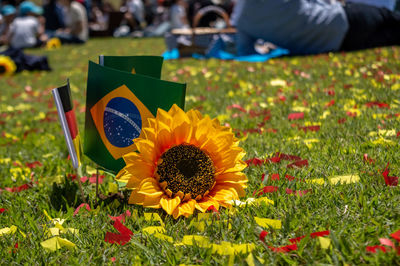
[314, 26]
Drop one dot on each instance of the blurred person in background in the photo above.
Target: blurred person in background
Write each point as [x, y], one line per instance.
[8, 13]
[178, 15]
[389, 4]
[27, 30]
[76, 22]
[54, 16]
[314, 26]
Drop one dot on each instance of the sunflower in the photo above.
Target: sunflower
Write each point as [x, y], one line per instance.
[185, 162]
[53, 43]
[7, 66]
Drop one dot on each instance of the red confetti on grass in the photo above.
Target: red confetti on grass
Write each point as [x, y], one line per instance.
[19, 188]
[212, 209]
[299, 164]
[284, 249]
[237, 107]
[389, 180]
[386, 242]
[377, 104]
[310, 128]
[351, 114]
[396, 235]
[367, 159]
[255, 161]
[295, 116]
[122, 238]
[33, 164]
[330, 103]
[91, 179]
[299, 193]
[262, 236]
[275, 177]
[266, 189]
[85, 205]
[321, 233]
[313, 235]
[121, 218]
[373, 249]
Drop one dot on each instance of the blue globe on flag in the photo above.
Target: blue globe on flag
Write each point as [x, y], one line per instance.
[122, 122]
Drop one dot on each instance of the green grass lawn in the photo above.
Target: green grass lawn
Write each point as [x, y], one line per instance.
[342, 95]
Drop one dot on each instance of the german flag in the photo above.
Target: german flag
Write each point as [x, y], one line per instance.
[66, 113]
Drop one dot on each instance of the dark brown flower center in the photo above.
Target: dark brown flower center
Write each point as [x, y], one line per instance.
[2, 69]
[186, 169]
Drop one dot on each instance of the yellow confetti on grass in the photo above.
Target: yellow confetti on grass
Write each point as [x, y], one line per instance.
[300, 109]
[251, 261]
[163, 237]
[265, 222]
[225, 248]
[324, 242]
[8, 230]
[55, 243]
[383, 141]
[153, 217]
[251, 201]
[154, 229]
[278, 83]
[344, 179]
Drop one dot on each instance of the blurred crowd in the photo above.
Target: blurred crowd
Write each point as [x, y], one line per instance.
[28, 24]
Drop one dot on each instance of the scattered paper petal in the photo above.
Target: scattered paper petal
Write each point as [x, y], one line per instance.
[154, 229]
[153, 217]
[284, 249]
[295, 116]
[121, 217]
[262, 236]
[390, 180]
[8, 230]
[345, 179]
[396, 235]
[54, 243]
[83, 205]
[373, 249]
[265, 222]
[324, 242]
[122, 238]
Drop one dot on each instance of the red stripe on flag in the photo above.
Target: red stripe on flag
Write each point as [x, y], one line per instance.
[71, 120]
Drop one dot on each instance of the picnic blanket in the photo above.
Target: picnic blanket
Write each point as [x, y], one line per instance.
[221, 48]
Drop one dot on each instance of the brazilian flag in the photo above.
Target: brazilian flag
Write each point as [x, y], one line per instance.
[144, 65]
[118, 105]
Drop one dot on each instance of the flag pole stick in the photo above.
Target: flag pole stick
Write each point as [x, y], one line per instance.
[79, 172]
[97, 184]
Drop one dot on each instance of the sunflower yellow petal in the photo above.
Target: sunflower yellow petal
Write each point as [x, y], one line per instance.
[136, 198]
[236, 177]
[146, 149]
[185, 209]
[224, 194]
[149, 187]
[163, 117]
[205, 203]
[169, 204]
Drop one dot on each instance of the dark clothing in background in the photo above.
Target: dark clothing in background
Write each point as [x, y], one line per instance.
[370, 27]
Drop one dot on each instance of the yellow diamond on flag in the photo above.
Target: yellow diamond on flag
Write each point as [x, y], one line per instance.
[118, 114]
